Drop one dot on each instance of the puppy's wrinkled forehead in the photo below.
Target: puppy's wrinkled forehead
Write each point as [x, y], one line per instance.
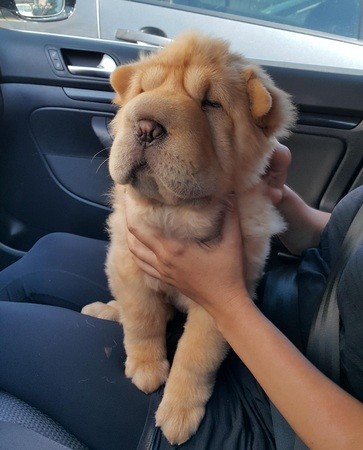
[205, 70]
[199, 68]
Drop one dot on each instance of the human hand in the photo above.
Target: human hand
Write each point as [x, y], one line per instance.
[274, 180]
[210, 274]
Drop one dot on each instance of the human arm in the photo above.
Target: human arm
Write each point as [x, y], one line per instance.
[323, 415]
[320, 412]
[305, 224]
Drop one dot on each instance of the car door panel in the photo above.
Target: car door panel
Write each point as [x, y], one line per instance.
[77, 161]
[315, 158]
[336, 158]
[43, 146]
[53, 171]
[54, 143]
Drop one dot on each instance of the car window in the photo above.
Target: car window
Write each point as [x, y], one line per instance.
[339, 17]
[322, 35]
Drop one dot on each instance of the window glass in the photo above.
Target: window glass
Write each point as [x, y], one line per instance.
[339, 17]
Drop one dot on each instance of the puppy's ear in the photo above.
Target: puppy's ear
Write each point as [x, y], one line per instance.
[271, 108]
[121, 80]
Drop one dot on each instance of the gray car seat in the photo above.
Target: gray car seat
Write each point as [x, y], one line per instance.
[23, 427]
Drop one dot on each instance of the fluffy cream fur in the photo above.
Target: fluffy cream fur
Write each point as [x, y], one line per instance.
[218, 117]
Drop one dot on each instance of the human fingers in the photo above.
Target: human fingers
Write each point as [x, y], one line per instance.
[148, 239]
[276, 173]
[147, 268]
[152, 252]
[139, 250]
[158, 267]
[280, 158]
[274, 179]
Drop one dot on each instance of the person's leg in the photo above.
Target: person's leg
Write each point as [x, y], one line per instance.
[71, 367]
[60, 270]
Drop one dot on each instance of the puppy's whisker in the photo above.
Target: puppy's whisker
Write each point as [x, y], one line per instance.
[102, 163]
[104, 149]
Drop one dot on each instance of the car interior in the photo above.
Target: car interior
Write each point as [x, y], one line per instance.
[55, 108]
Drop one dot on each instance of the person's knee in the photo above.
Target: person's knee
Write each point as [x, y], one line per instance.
[54, 244]
[61, 269]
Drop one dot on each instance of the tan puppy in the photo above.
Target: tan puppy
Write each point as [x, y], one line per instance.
[197, 122]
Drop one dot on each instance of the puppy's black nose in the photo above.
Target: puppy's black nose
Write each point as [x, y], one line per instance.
[149, 130]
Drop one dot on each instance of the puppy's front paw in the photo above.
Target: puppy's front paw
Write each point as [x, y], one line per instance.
[102, 310]
[147, 375]
[178, 419]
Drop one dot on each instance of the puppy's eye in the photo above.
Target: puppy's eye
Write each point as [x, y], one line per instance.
[210, 104]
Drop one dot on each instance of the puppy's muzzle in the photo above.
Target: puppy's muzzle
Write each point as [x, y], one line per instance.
[148, 131]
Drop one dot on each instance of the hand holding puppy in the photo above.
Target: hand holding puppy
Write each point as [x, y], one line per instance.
[206, 273]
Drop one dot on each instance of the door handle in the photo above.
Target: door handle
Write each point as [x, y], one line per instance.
[139, 37]
[103, 70]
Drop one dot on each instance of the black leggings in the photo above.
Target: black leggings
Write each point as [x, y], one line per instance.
[68, 365]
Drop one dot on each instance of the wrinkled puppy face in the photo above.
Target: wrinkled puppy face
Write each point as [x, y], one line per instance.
[185, 115]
